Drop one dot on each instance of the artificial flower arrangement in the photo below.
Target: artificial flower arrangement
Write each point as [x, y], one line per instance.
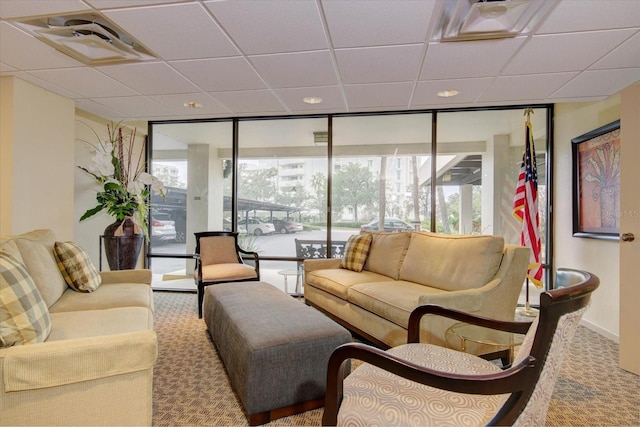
[119, 168]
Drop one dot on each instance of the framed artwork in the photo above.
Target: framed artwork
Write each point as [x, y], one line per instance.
[596, 183]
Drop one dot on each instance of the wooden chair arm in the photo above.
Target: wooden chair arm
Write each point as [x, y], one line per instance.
[413, 334]
[511, 380]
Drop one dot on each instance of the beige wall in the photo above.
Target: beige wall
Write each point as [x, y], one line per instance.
[597, 256]
[36, 159]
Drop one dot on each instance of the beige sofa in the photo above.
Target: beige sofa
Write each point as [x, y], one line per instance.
[476, 274]
[96, 366]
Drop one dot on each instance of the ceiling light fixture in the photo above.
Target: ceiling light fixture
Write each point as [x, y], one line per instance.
[192, 104]
[447, 93]
[312, 100]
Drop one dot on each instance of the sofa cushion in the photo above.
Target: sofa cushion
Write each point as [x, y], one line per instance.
[24, 316]
[356, 251]
[36, 248]
[94, 323]
[107, 296]
[76, 267]
[8, 245]
[337, 281]
[451, 262]
[393, 301]
[387, 252]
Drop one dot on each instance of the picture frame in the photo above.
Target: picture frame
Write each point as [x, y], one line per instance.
[596, 183]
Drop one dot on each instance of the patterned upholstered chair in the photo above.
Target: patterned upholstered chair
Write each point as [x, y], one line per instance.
[219, 260]
[425, 385]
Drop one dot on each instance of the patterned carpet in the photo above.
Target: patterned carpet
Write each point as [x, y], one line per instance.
[191, 387]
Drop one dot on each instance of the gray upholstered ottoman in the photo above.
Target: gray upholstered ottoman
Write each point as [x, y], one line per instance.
[275, 348]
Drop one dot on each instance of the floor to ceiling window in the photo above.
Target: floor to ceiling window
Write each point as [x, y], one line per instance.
[320, 178]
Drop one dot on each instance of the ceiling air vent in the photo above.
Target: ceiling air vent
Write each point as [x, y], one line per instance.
[490, 19]
[88, 39]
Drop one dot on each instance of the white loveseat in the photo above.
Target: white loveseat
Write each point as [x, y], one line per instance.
[96, 365]
[476, 274]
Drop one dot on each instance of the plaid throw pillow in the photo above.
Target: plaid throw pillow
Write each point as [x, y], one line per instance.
[76, 267]
[356, 251]
[24, 317]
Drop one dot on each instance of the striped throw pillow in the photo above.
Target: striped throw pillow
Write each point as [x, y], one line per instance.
[76, 267]
[24, 316]
[356, 251]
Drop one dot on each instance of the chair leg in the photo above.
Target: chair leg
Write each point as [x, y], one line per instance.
[200, 299]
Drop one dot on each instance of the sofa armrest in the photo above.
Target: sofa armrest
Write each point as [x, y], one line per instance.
[321, 264]
[57, 363]
[141, 275]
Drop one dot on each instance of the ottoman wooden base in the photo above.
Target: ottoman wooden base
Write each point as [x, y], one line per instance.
[275, 349]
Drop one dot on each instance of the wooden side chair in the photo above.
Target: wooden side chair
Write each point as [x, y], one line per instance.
[426, 385]
[219, 260]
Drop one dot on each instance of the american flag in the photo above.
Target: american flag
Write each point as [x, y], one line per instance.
[525, 207]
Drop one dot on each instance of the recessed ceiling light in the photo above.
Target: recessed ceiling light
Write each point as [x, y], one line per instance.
[312, 100]
[447, 93]
[192, 104]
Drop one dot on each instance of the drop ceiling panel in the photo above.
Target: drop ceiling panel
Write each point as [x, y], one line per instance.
[220, 74]
[296, 69]
[179, 31]
[150, 78]
[379, 23]
[379, 64]
[624, 56]
[374, 95]
[175, 104]
[99, 109]
[574, 15]
[535, 87]
[260, 27]
[468, 59]
[598, 83]
[565, 52]
[17, 9]
[86, 82]
[14, 43]
[332, 99]
[46, 85]
[109, 4]
[426, 93]
[132, 106]
[256, 102]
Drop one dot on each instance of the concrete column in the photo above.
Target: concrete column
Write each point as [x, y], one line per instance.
[495, 165]
[465, 225]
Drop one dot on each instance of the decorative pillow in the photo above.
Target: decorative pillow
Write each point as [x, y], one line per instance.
[24, 316]
[356, 251]
[76, 267]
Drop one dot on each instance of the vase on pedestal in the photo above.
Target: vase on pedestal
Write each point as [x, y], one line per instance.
[122, 244]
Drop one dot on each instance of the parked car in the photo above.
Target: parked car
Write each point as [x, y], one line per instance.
[286, 226]
[163, 228]
[390, 224]
[256, 226]
[226, 226]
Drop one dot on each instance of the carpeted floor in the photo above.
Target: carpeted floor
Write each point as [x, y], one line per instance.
[191, 387]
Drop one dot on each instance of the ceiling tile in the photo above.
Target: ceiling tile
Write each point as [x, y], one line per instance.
[150, 78]
[261, 27]
[383, 22]
[100, 109]
[296, 69]
[379, 64]
[332, 99]
[220, 74]
[86, 82]
[109, 4]
[598, 83]
[624, 56]
[377, 95]
[456, 60]
[18, 9]
[250, 101]
[175, 104]
[511, 88]
[564, 52]
[170, 36]
[135, 107]
[15, 42]
[580, 15]
[426, 93]
[46, 85]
